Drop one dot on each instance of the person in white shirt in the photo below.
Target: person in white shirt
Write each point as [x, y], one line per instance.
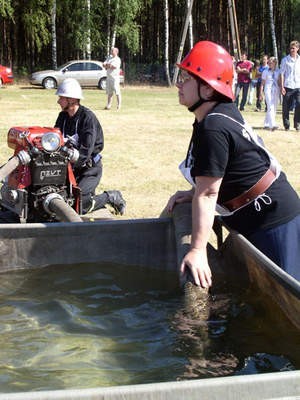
[269, 86]
[112, 65]
[290, 85]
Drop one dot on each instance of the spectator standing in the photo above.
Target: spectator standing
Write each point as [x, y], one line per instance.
[269, 86]
[253, 84]
[243, 69]
[112, 65]
[290, 85]
[263, 66]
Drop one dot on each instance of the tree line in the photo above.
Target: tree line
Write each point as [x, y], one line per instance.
[39, 34]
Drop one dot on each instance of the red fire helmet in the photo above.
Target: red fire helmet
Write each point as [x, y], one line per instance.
[213, 64]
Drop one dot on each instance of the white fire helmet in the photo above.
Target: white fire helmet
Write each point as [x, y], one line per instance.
[70, 87]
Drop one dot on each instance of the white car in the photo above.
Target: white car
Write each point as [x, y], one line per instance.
[87, 72]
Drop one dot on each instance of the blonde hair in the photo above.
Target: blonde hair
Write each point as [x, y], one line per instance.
[274, 60]
[294, 43]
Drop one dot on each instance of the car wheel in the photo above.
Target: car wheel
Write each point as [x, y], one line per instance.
[102, 84]
[49, 83]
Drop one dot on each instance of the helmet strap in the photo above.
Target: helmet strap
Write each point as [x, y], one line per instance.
[199, 102]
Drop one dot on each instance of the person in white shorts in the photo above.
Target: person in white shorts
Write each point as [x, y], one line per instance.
[112, 65]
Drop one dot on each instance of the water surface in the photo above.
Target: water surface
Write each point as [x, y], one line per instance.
[84, 326]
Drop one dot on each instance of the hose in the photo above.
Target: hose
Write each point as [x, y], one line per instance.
[9, 167]
[21, 158]
[55, 204]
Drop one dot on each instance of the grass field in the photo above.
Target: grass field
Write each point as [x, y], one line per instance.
[144, 141]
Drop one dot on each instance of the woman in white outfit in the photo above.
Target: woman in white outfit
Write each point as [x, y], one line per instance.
[270, 87]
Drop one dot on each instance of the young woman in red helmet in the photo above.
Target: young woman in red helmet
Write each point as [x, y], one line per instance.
[230, 170]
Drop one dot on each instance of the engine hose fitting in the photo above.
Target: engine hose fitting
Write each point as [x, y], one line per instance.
[48, 199]
[73, 155]
[24, 157]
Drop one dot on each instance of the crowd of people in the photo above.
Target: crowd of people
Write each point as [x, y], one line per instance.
[272, 83]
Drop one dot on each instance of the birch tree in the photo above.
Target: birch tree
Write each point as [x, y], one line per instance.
[166, 6]
[191, 36]
[273, 29]
[53, 32]
[123, 14]
[88, 39]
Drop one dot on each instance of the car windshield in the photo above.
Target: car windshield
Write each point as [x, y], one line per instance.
[62, 66]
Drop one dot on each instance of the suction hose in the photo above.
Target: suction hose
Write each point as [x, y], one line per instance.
[22, 158]
[55, 204]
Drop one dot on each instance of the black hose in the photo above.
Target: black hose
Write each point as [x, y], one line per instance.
[63, 211]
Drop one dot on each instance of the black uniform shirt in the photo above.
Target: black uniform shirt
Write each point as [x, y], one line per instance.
[218, 149]
[85, 128]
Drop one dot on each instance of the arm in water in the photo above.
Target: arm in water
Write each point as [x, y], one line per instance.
[203, 211]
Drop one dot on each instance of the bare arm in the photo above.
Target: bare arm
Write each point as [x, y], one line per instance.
[203, 212]
[262, 86]
[281, 77]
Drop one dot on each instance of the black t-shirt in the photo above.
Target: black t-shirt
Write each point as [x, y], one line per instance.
[218, 149]
[86, 130]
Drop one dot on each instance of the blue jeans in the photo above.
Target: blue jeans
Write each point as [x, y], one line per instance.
[282, 245]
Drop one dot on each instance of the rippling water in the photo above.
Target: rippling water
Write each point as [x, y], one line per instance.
[84, 326]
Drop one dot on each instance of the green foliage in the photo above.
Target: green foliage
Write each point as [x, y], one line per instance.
[6, 9]
[297, 20]
[125, 13]
[138, 25]
[36, 21]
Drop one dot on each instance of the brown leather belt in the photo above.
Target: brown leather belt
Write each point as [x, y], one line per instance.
[256, 190]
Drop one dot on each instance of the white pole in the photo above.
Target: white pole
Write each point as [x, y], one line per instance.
[186, 24]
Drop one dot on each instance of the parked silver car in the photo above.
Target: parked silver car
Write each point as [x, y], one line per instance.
[87, 72]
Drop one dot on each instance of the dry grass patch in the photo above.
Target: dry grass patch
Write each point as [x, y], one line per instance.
[144, 142]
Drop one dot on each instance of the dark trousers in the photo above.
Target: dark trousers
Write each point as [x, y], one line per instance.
[282, 245]
[88, 179]
[291, 95]
[244, 87]
[258, 102]
[8, 217]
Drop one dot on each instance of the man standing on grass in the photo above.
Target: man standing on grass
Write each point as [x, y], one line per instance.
[243, 70]
[112, 65]
[290, 85]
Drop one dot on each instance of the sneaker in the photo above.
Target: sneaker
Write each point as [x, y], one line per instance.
[116, 200]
